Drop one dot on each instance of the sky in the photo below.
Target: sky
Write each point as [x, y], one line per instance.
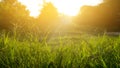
[68, 7]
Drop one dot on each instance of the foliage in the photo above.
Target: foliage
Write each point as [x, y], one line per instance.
[105, 15]
[13, 14]
[26, 47]
[60, 52]
[48, 17]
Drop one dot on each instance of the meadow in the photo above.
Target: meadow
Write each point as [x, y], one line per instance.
[59, 51]
[59, 33]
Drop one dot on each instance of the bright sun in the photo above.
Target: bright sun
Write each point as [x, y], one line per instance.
[68, 7]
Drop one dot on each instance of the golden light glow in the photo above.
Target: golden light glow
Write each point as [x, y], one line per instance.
[68, 7]
[33, 6]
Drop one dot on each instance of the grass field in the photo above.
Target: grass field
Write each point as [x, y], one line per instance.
[62, 51]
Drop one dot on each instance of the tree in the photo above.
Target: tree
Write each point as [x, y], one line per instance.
[112, 9]
[12, 12]
[106, 15]
[48, 16]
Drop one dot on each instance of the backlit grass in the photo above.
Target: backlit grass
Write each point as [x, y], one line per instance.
[62, 51]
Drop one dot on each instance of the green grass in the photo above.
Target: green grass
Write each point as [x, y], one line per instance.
[81, 51]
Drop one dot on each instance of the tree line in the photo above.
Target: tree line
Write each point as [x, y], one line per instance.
[13, 15]
[105, 16]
